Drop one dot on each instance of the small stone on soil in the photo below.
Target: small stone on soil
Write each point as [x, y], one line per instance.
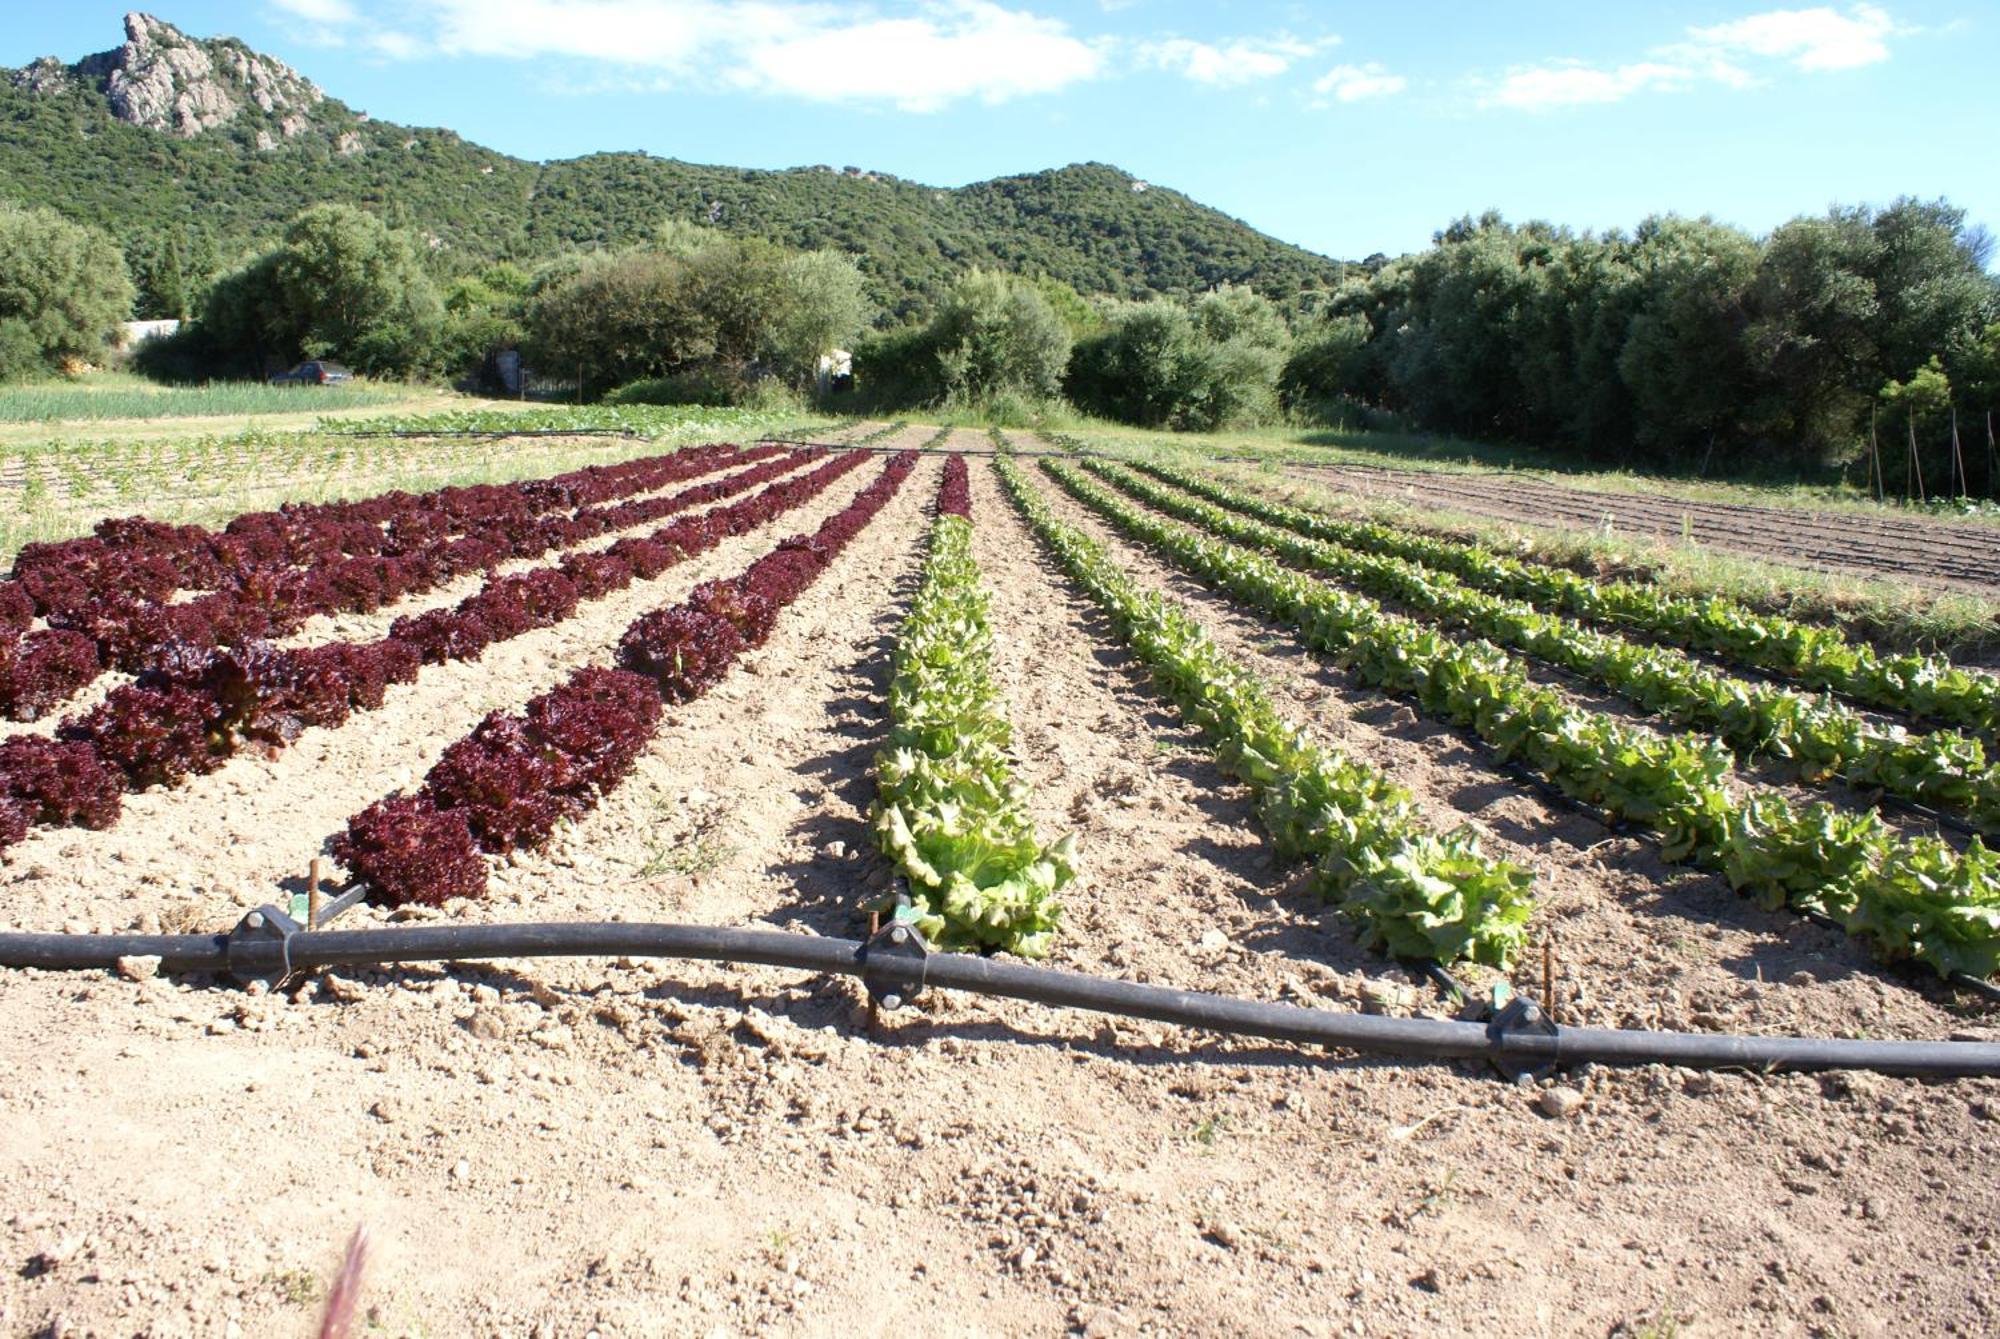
[1560, 1102]
[142, 967]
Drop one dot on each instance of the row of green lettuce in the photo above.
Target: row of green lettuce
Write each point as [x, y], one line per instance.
[949, 812]
[1818, 656]
[1913, 899]
[1819, 737]
[1414, 893]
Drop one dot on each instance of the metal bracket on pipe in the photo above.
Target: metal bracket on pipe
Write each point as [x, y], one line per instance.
[900, 943]
[260, 947]
[1522, 1017]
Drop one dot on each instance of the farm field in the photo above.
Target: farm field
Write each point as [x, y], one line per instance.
[204, 473]
[564, 1146]
[1955, 553]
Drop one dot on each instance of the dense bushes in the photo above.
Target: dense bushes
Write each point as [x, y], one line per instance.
[696, 317]
[1209, 365]
[1686, 344]
[994, 337]
[63, 292]
[341, 285]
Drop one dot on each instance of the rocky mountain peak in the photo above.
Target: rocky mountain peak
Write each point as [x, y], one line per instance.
[162, 79]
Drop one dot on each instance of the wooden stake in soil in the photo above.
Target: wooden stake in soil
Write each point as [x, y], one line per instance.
[1958, 455]
[1549, 977]
[312, 894]
[1874, 455]
[1916, 461]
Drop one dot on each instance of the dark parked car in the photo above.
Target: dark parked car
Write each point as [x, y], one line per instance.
[315, 373]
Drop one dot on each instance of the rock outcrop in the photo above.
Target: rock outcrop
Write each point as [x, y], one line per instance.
[162, 79]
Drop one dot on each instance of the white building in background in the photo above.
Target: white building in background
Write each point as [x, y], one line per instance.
[138, 332]
[835, 370]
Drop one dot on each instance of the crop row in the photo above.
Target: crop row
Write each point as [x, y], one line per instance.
[1915, 899]
[508, 783]
[1415, 894]
[110, 599]
[1820, 738]
[948, 810]
[194, 708]
[1924, 686]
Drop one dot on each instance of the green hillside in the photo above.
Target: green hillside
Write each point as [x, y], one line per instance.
[200, 196]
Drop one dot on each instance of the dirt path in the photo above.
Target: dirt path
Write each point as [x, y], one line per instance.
[1934, 552]
[627, 1149]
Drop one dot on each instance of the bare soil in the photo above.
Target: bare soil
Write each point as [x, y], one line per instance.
[572, 1147]
[1931, 552]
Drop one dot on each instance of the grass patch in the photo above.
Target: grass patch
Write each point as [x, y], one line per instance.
[641, 420]
[114, 395]
[700, 854]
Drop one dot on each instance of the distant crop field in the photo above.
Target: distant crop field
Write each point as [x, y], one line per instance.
[121, 397]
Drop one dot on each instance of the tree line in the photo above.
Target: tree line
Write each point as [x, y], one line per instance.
[1864, 338]
[1838, 340]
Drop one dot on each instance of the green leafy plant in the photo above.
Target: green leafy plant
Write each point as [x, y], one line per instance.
[1924, 686]
[949, 812]
[1914, 899]
[1820, 739]
[1414, 893]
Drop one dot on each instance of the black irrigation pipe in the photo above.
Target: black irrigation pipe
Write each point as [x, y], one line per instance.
[896, 969]
[983, 451]
[493, 432]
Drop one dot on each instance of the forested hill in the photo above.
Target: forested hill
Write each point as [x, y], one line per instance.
[191, 152]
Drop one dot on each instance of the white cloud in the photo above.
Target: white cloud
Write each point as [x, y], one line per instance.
[1815, 40]
[318, 11]
[1353, 83]
[1230, 64]
[392, 44]
[921, 64]
[934, 53]
[1811, 39]
[1570, 83]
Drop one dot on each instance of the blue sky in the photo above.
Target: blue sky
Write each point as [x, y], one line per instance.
[1347, 128]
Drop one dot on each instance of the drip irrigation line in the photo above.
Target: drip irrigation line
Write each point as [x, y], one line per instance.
[1447, 984]
[981, 451]
[496, 432]
[1965, 981]
[896, 966]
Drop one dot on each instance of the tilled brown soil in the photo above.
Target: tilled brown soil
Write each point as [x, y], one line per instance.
[561, 1148]
[1936, 552]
